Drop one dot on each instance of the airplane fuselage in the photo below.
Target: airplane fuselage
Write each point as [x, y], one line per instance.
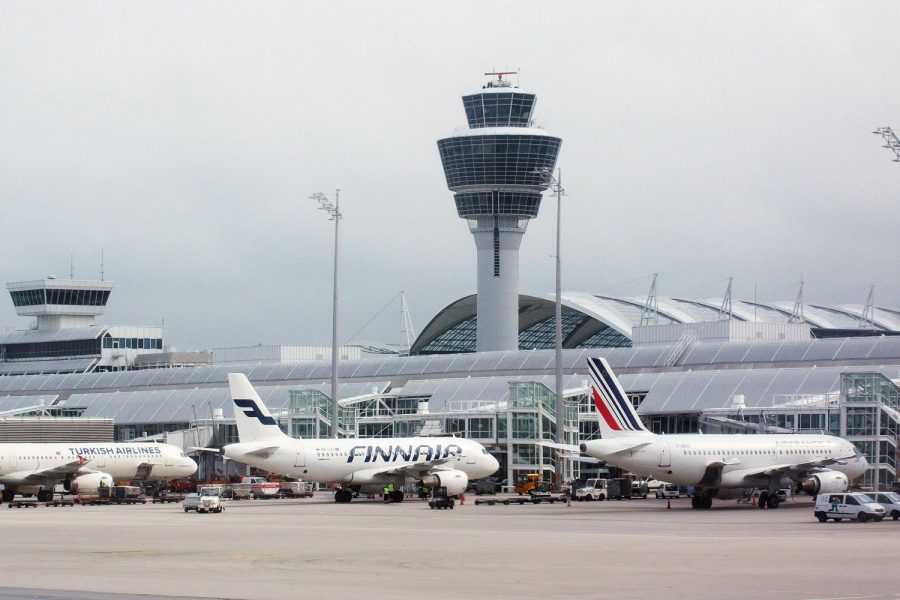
[684, 458]
[348, 460]
[120, 460]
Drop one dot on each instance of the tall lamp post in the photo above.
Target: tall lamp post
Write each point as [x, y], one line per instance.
[334, 214]
[555, 184]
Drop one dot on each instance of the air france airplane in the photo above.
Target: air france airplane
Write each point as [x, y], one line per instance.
[718, 466]
[353, 463]
[37, 468]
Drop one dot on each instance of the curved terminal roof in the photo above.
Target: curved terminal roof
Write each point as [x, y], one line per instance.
[603, 321]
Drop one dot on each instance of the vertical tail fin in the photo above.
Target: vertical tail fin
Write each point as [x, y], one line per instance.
[254, 423]
[617, 415]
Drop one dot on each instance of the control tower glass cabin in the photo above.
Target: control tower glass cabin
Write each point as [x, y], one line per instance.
[495, 169]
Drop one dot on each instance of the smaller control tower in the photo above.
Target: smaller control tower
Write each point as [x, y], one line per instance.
[496, 170]
[60, 303]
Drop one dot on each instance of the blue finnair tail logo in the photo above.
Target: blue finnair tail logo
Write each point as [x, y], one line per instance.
[253, 411]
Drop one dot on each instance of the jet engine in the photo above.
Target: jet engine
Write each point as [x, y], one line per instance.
[826, 483]
[88, 483]
[453, 479]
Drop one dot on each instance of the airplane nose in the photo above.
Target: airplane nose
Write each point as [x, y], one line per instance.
[494, 464]
[192, 466]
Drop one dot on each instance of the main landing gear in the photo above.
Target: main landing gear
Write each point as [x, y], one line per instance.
[343, 496]
[701, 501]
[8, 495]
[767, 500]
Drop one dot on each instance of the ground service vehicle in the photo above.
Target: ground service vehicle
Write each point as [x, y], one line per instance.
[296, 489]
[849, 505]
[890, 501]
[639, 489]
[594, 489]
[208, 500]
[260, 488]
[530, 482]
[667, 490]
[440, 499]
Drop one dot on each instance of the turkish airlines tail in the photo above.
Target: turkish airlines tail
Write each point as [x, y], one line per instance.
[617, 415]
[254, 423]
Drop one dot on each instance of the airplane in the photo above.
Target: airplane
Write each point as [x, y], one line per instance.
[31, 469]
[722, 465]
[353, 463]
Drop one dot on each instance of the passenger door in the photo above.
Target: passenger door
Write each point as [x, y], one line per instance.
[300, 457]
[665, 456]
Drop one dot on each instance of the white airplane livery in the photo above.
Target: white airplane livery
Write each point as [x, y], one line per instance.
[36, 468]
[719, 466]
[354, 463]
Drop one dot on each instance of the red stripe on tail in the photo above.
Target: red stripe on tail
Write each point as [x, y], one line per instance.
[607, 416]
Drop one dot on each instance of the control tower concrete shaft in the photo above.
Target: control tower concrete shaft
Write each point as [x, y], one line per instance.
[496, 170]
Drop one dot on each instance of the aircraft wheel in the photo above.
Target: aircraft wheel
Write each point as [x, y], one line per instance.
[45, 495]
[397, 496]
[707, 502]
[695, 502]
[773, 501]
[8, 495]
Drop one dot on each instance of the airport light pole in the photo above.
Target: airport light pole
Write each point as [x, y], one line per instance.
[334, 214]
[555, 184]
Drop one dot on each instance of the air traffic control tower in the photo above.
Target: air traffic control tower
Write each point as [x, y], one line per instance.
[497, 172]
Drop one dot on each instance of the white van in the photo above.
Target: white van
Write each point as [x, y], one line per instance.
[849, 505]
[890, 501]
[594, 489]
[667, 490]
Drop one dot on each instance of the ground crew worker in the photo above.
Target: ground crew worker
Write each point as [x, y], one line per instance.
[387, 493]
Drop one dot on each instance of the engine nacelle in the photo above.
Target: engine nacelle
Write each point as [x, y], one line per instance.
[825, 483]
[453, 479]
[88, 483]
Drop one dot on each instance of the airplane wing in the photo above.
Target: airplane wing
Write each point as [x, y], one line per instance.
[264, 452]
[415, 470]
[566, 447]
[794, 470]
[38, 477]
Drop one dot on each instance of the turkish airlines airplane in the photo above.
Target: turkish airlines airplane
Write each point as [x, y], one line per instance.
[354, 463]
[36, 468]
[718, 466]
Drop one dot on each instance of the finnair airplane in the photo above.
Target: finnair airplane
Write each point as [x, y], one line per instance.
[718, 466]
[354, 463]
[36, 468]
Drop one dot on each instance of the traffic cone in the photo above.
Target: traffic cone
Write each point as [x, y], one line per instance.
[753, 500]
[462, 499]
[668, 504]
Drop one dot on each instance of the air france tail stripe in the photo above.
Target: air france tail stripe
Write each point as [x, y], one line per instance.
[618, 396]
[621, 405]
[604, 412]
[605, 395]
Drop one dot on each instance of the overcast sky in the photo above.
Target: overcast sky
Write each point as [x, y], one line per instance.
[701, 140]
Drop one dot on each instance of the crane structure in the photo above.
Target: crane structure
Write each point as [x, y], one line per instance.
[890, 140]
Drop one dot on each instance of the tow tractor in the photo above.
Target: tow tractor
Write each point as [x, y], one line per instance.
[440, 499]
[536, 495]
